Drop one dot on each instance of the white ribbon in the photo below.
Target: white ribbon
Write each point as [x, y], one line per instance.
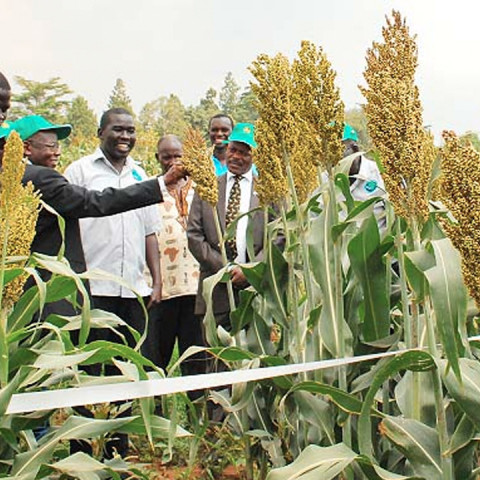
[73, 397]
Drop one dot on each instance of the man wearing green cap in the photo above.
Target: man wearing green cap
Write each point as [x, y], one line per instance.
[365, 178]
[220, 127]
[236, 196]
[40, 139]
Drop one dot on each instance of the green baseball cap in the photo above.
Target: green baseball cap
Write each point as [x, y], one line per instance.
[32, 124]
[349, 133]
[243, 132]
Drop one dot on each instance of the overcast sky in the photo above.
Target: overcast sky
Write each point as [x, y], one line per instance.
[160, 47]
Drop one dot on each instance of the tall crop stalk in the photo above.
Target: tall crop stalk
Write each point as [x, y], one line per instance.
[3, 311]
[338, 303]
[231, 297]
[302, 223]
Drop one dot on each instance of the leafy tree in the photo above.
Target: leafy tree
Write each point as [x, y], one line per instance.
[164, 115]
[228, 96]
[82, 118]
[157, 118]
[83, 139]
[41, 98]
[119, 97]
[149, 114]
[245, 110]
[200, 115]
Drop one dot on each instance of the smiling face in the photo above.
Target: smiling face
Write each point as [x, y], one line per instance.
[219, 130]
[117, 137]
[43, 149]
[239, 158]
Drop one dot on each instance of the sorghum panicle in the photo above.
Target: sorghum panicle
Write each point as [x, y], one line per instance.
[198, 162]
[394, 116]
[318, 103]
[459, 190]
[19, 207]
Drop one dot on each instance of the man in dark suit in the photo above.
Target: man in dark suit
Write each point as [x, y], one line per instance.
[203, 240]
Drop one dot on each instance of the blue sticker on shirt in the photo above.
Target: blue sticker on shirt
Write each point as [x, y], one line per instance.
[136, 176]
[370, 186]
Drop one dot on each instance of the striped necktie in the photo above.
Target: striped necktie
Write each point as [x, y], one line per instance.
[233, 208]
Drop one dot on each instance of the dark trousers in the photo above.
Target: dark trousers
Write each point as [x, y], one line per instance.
[174, 320]
[129, 310]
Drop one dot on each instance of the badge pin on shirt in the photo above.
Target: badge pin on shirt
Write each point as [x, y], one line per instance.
[370, 186]
[136, 176]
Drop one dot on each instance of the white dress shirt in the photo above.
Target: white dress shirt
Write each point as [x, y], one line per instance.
[115, 244]
[246, 185]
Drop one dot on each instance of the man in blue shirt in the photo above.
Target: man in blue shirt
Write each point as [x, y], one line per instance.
[220, 127]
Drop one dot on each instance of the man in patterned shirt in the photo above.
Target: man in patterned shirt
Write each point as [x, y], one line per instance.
[173, 319]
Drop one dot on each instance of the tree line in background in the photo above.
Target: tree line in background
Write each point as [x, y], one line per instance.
[165, 114]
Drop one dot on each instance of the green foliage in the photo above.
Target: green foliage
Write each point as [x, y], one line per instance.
[83, 120]
[392, 411]
[46, 354]
[119, 97]
[41, 98]
[245, 110]
[228, 96]
[166, 115]
[199, 115]
[471, 138]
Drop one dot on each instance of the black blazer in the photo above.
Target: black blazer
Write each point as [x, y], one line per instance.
[73, 202]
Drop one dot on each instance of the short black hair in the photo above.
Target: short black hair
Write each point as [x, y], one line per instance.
[4, 85]
[169, 136]
[221, 115]
[105, 118]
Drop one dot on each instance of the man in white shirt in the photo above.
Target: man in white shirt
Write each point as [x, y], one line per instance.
[202, 236]
[120, 244]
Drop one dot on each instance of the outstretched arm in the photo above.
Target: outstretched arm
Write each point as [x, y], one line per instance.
[73, 201]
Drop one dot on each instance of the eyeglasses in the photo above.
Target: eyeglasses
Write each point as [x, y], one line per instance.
[50, 146]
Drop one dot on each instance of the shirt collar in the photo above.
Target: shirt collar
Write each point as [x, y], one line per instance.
[99, 155]
[246, 176]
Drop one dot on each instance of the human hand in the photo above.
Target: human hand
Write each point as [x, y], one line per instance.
[155, 296]
[238, 278]
[174, 173]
